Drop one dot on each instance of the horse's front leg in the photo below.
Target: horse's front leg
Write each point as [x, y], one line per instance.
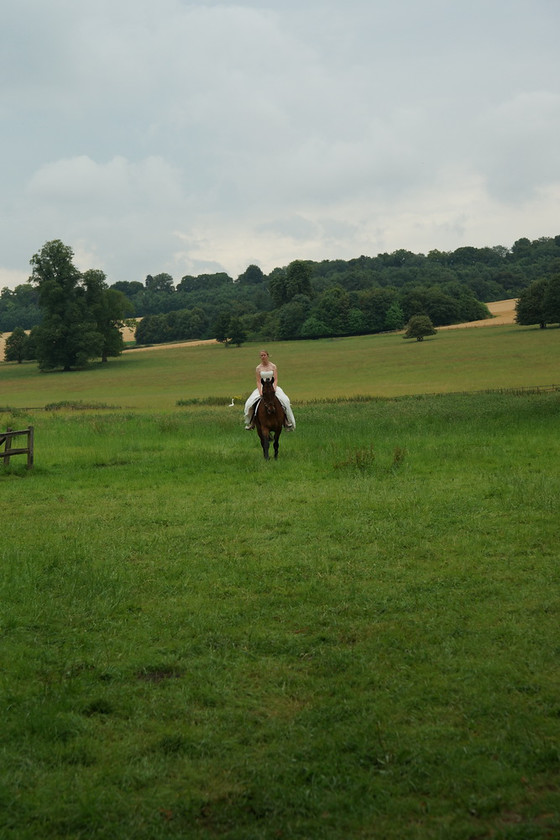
[265, 443]
[276, 441]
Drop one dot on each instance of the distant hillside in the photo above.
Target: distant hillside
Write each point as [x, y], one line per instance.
[502, 311]
[364, 295]
[308, 299]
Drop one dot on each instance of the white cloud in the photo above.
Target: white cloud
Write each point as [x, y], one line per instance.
[185, 136]
[117, 183]
[521, 153]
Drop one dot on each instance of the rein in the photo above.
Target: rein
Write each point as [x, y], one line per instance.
[268, 398]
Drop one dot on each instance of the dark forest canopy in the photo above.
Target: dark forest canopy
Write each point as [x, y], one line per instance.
[308, 299]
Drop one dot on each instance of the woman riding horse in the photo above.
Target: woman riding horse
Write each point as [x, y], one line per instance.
[269, 368]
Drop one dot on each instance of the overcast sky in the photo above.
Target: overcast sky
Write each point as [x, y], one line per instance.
[189, 136]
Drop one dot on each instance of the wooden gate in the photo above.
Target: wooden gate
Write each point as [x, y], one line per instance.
[6, 440]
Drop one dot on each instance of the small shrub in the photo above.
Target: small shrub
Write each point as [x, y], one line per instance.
[398, 457]
[72, 405]
[172, 744]
[100, 706]
[15, 413]
[364, 459]
[360, 459]
[168, 425]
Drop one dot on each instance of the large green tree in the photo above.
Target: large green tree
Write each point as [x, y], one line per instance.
[19, 308]
[17, 346]
[291, 316]
[237, 334]
[529, 308]
[81, 315]
[160, 283]
[418, 327]
[68, 335]
[298, 279]
[552, 300]
[252, 276]
[312, 327]
[220, 328]
[109, 307]
[332, 308]
[295, 280]
[394, 319]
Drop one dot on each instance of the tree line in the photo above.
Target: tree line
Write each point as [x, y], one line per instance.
[539, 303]
[310, 299]
[303, 300]
[81, 317]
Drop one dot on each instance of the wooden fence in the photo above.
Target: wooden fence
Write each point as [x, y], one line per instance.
[6, 440]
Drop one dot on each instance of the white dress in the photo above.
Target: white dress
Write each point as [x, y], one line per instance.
[284, 400]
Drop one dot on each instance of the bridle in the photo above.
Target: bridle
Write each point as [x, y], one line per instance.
[268, 397]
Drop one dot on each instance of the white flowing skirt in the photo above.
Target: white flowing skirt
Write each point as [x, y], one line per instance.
[284, 399]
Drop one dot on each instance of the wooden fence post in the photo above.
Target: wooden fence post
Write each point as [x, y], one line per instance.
[30, 438]
[10, 450]
[8, 447]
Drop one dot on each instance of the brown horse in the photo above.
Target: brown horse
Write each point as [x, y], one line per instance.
[269, 417]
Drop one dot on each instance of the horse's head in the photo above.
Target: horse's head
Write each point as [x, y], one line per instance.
[268, 394]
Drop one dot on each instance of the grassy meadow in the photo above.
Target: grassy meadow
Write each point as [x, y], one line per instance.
[377, 365]
[359, 640]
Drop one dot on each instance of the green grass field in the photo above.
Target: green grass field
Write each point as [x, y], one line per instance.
[359, 640]
[380, 365]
